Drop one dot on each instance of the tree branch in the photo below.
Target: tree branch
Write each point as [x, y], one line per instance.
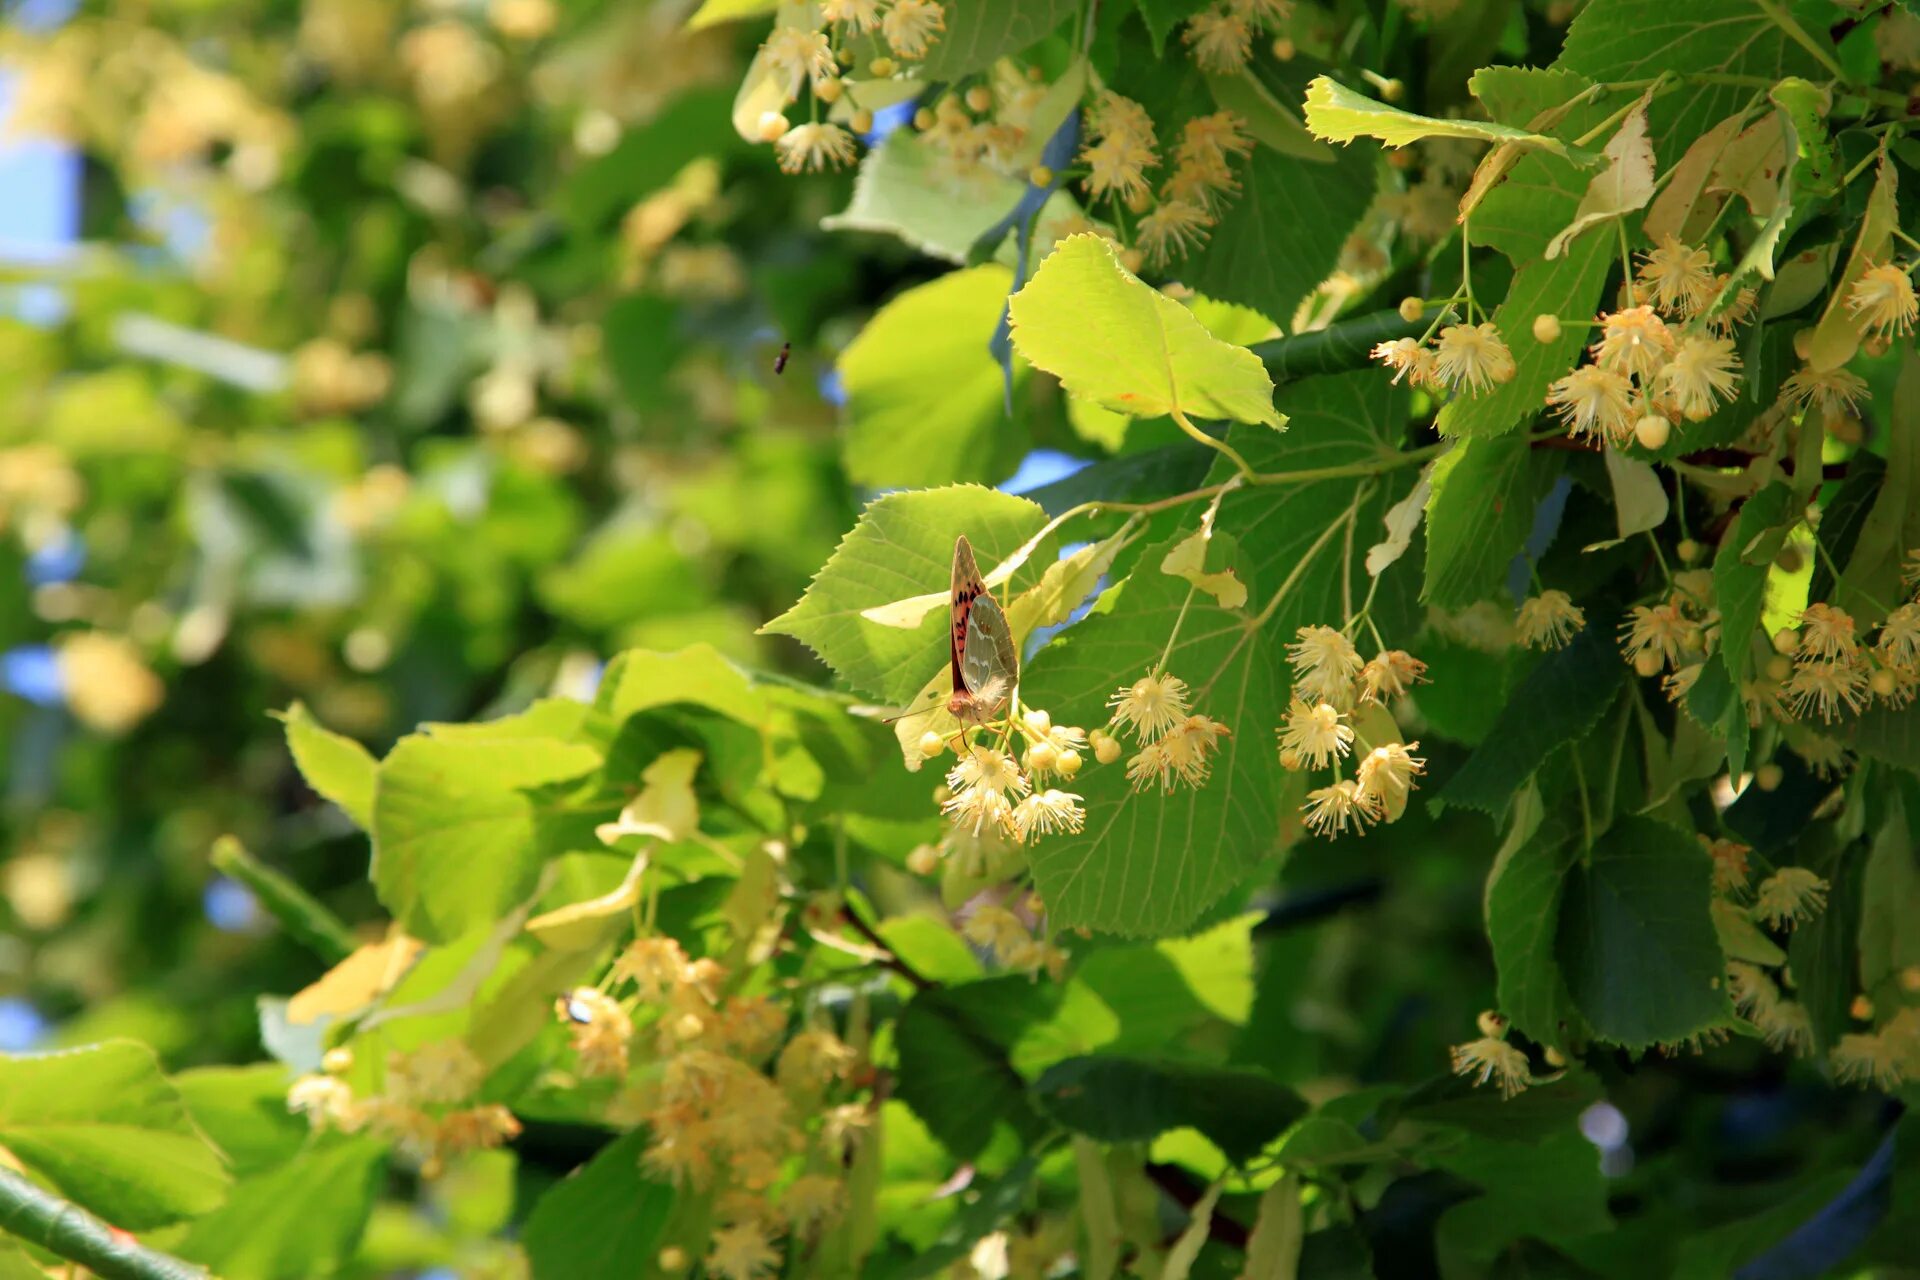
[42, 1218]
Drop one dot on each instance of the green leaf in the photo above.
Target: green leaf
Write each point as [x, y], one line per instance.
[903, 547]
[1825, 951]
[1872, 575]
[1637, 942]
[1150, 863]
[905, 188]
[1478, 517]
[1523, 916]
[454, 830]
[603, 1221]
[1311, 208]
[699, 675]
[1125, 1099]
[713, 12]
[301, 1219]
[1567, 285]
[954, 1070]
[1547, 1190]
[1560, 701]
[1616, 40]
[925, 397]
[1112, 339]
[244, 1111]
[980, 32]
[642, 343]
[336, 766]
[1740, 576]
[103, 1127]
[1162, 16]
[1353, 420]
[1338, 114]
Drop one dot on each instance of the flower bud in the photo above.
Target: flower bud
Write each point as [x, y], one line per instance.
[1647, 664]
[1883, 683]
[932, 744]
[829, 90]
[1546, 327]
[1768, 776]
[1411, 309]
[1042, 757]
[924, 860]
[862, 122]
[979, 99]
[1652, 431]
[1688, 550]
[880, 67]
[772, 126]
[1068, 764]
[1040, 176]
[1106, 748]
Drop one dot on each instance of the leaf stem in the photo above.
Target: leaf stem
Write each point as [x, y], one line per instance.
[66, 1229]
[1778, 15]
[299, 912]
[1226, 450]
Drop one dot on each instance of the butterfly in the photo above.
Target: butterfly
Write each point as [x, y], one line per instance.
[986, 663]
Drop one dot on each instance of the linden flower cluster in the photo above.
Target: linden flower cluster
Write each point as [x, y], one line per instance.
[810, 57]
[1464, 359]
[1331, 682]
[1882, 306]
[1221, 35]
[1176, 744]
[1002, 931]
[1675, 635]
[988, 127]
[734, 1106]
[1122, 146]
[1833, 672]
[990, 794]
[420, 1112]
[1785, 899]
[1645, 374]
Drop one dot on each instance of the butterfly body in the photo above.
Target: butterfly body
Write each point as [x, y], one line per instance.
[985, 660]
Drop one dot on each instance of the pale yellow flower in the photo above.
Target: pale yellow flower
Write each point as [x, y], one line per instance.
[1471, 357]
[1173, 229]
[1548, 620]
[1408, 359]
[1386, 775]
[1634, 341]
[1045, 812]
[1702, 373]
[910, 26]
[1827, 688]
[742, 1252]
[1222, 40]
[1336, 809]
[1882, 301]
[1151, 706]
[1493, 1059]
[802, 55]
[1679, 275]
[1833, 393]
[1390, 674]
[1826, 632]
[815, 147]
[1315, 734]
[1789, 896]
[1594, 401]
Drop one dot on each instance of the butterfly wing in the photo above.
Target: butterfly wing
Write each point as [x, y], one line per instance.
[990, 663]
[967, 588]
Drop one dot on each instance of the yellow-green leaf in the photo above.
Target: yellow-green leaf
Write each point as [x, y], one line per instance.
[1112, 338]
[1338, 114]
